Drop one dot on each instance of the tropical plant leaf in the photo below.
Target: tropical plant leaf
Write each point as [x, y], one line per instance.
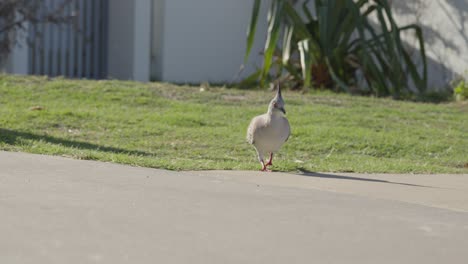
[251, 80]
[274, 29]
[252, 29]
[339, 39]
[306, 61]
[287, 38]
[420, 82]
[305, 10]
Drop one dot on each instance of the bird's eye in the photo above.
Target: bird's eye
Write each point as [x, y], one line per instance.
[275, 105]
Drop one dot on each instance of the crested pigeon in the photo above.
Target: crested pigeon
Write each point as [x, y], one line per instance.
[268, 132]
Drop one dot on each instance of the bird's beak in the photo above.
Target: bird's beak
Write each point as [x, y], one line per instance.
[282, 110]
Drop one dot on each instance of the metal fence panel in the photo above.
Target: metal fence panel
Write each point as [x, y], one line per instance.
[75, 50]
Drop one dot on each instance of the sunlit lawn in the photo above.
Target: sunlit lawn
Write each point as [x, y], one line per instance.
[183, 128]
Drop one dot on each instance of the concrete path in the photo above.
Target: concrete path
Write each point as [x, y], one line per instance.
[59, 210]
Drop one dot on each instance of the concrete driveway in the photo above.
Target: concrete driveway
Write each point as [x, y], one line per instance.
[59, 210]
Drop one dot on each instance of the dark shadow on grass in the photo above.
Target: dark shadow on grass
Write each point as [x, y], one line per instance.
[351, 178]
[12, 136]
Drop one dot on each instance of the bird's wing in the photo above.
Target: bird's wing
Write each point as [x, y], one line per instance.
[255, 126]
[287, 129]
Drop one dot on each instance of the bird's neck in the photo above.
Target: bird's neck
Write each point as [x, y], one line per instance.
[273, 113]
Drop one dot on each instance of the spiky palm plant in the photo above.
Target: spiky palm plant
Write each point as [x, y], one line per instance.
[330, 46]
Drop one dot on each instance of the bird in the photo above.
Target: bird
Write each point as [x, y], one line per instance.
[268, 132]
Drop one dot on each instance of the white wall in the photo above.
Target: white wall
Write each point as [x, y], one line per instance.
[157, 36]
[129, 39]
[120, 42]
[142, 40]
[204, 40]
[445, 29]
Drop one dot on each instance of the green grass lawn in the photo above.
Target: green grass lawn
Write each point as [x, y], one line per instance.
[180, 127]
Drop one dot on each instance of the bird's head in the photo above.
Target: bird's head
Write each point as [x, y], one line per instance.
[277, 103]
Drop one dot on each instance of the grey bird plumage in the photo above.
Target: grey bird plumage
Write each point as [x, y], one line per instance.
[268, 132]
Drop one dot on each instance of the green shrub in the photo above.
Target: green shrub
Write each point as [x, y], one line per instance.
[329, 48]
[460, 92]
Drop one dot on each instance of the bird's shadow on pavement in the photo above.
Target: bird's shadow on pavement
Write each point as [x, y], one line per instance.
[12, 136]
[307, 173]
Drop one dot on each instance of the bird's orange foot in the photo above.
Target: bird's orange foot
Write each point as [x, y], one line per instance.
[265, 169]
[270, 161]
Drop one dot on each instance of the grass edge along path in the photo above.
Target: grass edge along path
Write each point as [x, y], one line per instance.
[175, 127]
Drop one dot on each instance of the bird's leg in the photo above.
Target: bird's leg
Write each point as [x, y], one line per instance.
[265, 168]
[271, 159]
[260, 158]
